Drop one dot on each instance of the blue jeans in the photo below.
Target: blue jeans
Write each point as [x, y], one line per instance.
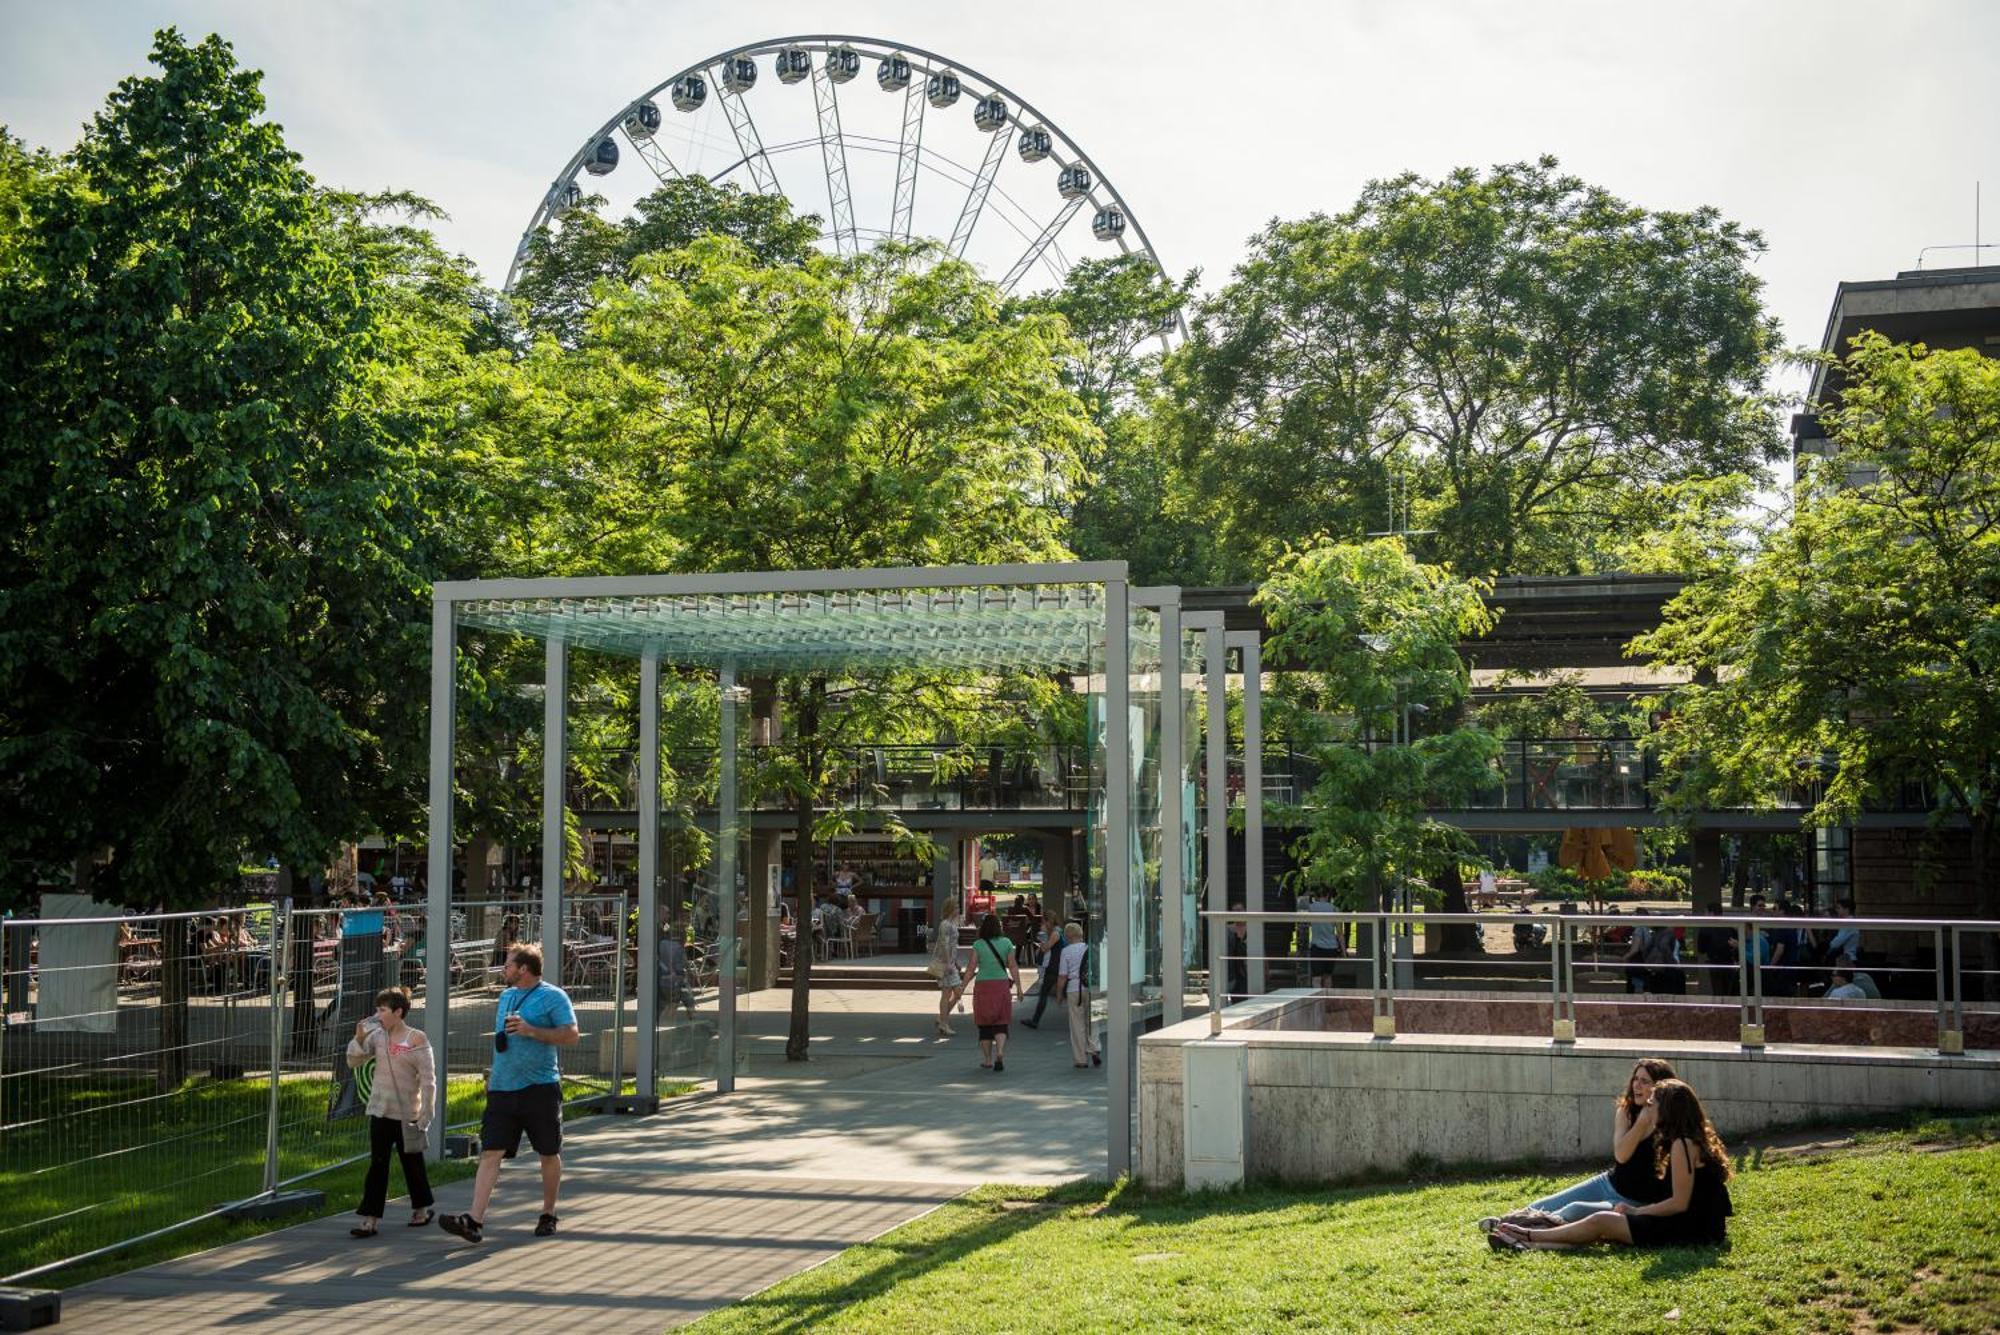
[1584, 1199]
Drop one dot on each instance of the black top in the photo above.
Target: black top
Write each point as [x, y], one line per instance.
[1705, 1221]
[1635, 1179]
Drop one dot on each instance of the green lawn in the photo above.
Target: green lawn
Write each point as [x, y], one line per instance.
[1893, 1230]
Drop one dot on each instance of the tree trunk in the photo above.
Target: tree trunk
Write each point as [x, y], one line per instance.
[799, 1034]
[175, 973]
[1456, 937]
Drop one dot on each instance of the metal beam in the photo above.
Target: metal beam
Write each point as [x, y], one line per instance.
[1041, 243]
[982, 185]
[437, 902]
[1250, 644]
[748, 141]
[1117, 954]
[726, 840]
[1173, 832]
[833, 153]
[1214, 652]
[787, 581]
[555, 766]
[909, 150]
[653, 156]
[646, 1023]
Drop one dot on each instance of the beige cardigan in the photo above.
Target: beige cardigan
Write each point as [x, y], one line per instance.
[405, 1087]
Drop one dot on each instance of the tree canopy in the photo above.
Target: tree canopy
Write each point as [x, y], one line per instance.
[1366, 635]
[1496, 361]
[211, 571]
[1856, 651]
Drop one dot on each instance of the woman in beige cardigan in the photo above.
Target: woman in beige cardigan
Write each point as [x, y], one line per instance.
[401, 1102]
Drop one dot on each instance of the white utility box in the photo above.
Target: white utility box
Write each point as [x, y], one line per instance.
[1215, 1104]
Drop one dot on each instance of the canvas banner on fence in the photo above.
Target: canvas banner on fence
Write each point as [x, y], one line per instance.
[361, 975]
[77, 968]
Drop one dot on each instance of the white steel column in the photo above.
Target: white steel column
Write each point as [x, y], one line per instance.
[437, 906]
[645, 1023]
[1250, 644]
[726, 835]
[1173, 828]
[555, 766]
[1215, 777]
[1117, 961]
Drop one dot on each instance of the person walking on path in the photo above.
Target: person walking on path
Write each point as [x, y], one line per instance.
[1051, 945]
[944, 963]
[524, 1090]
[996, 986]
[401, 1102]
[1076, 996]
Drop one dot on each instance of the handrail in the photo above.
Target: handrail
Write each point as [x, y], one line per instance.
[1947, 971]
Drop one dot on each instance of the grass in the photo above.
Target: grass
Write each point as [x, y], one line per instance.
[87, 1163]
[1891, 1230]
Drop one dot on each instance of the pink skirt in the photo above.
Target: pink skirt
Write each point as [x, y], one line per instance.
[993, 1003]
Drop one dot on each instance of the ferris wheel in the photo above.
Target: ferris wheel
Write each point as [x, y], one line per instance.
[934, 150]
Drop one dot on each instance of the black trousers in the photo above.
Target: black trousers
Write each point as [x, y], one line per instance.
[1046, 990]
[385, 1138]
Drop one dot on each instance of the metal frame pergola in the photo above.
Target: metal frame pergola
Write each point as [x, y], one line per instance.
[1079, 615]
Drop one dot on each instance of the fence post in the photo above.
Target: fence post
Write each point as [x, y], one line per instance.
[1951, 1039]
[1217, 968]
[1750, 1031]
[1381, 979]
[1563, 1019]
[618, 1019]
[281, 918]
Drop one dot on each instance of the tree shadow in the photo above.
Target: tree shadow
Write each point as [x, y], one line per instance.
[1006, 1213]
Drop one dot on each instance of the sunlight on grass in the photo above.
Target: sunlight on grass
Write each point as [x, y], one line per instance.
[1881, 1234]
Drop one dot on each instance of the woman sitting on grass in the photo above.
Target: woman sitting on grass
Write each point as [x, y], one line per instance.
[1630, 1179]
[1690, 1156]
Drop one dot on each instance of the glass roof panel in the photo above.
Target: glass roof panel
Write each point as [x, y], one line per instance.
[981, 627]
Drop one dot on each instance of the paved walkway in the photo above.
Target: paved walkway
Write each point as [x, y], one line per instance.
[668, 1217]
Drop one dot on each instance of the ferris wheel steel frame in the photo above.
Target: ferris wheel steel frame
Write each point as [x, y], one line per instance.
[755, 157]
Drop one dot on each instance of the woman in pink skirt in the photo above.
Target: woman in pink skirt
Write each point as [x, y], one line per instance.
[997, 982]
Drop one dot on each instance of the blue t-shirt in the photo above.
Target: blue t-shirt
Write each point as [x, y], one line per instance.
[529, 1061]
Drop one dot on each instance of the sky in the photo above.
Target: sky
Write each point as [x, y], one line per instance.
[1849, 134]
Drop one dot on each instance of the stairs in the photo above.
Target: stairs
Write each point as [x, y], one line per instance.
[863, 975]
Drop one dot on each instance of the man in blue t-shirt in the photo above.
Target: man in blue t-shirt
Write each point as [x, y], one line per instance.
[524, 1091]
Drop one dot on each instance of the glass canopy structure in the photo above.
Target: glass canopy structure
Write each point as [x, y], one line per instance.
[1080, 618]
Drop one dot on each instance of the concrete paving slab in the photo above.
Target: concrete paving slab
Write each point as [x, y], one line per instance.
[668, 1217]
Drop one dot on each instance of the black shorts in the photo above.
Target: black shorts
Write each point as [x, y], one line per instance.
[536, 1110]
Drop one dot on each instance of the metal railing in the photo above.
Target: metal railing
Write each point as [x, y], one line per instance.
[160, 1070]
[1735, 955]
[930, 777]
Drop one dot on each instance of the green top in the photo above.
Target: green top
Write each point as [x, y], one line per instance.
[991, 957]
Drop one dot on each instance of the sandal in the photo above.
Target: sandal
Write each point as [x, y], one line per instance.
[368, 1232]
[463, 1226]
[545, 1226]
[424, 1222]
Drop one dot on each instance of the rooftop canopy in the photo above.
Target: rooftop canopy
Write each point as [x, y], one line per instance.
[982, 626]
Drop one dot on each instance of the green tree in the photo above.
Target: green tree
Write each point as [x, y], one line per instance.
[1118, 310]
[1365, 638]
[871, 411]
[565, 262]
[1501, 359]
[211, 579]
[1857, 650]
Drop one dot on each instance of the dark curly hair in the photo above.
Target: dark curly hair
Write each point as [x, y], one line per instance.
[1683, 1118]
[1657, 1067]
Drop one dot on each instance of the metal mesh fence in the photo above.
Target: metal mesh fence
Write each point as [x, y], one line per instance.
[134, 1076]
[156, 1070]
